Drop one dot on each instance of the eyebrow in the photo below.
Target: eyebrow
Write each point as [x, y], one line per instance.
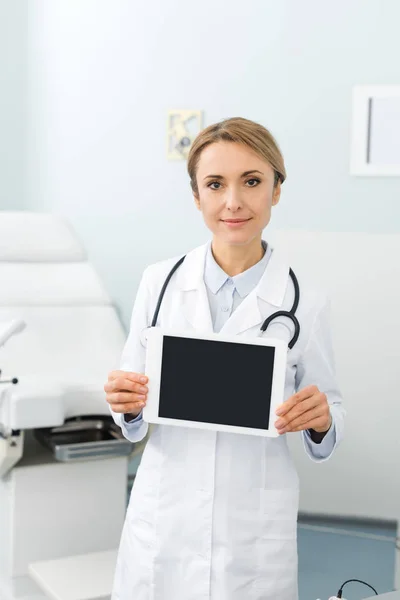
[245, 174]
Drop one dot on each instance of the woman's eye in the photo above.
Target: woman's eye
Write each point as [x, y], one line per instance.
[252, 182]
[215, 185]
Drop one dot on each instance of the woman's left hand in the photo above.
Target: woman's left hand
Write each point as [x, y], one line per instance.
[308, 409]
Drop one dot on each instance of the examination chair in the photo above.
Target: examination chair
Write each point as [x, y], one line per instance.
[63, 462]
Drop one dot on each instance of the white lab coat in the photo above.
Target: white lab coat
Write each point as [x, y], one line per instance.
[213, 515]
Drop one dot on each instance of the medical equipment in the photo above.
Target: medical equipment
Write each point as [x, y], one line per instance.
[10, 449]
[9, 329]
[340, 592]
[291, 314]
[389, 596]
[63, 462]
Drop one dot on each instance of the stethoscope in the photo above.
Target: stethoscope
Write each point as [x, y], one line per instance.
[290, 314]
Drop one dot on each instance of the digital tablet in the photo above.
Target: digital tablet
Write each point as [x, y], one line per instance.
[216, 382]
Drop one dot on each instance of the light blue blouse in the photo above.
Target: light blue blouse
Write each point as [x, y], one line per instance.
[226, 293]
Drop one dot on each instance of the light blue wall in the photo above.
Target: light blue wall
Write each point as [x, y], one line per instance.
[13, 90]
[109, 71]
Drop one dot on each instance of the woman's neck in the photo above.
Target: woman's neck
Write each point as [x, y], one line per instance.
[234, 260]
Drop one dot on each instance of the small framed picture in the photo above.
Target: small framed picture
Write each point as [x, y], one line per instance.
[375, 144]
[182, 128]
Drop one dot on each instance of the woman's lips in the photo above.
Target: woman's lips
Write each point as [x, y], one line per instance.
[235, 222]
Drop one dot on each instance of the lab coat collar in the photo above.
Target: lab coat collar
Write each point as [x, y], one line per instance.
[271, 289]
[190, 273]
[244, 283]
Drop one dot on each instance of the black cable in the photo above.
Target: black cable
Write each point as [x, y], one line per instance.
[340, 592]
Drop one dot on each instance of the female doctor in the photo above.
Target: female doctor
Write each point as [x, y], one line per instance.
[213, 515]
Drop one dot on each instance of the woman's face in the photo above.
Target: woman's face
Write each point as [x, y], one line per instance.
[235, 192]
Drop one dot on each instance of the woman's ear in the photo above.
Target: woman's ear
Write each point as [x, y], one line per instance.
[276, 194]
[196, 200]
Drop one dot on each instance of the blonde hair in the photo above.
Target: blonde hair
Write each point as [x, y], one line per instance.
[241, 131]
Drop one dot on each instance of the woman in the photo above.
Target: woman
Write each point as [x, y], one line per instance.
[213, 515]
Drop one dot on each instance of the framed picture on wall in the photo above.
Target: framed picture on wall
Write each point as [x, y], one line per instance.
[183, 126]
[375, 144]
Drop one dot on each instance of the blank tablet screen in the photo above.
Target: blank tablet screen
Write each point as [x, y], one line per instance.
[216, 382]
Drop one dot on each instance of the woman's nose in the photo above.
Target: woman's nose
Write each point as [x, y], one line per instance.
[232, 200]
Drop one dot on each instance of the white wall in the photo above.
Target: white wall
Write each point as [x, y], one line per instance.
[103, 74]
[14, 19]
[361, 273]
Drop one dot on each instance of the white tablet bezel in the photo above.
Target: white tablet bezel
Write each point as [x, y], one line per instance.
[153, 371]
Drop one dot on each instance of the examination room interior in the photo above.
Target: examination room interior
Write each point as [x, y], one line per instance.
[90, 194]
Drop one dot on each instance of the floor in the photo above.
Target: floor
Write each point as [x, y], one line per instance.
[332, 552]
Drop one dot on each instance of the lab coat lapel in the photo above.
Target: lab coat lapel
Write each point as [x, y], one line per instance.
[190, 282]
[266, 299]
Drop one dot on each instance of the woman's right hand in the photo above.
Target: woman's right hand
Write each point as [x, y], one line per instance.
[126, 392]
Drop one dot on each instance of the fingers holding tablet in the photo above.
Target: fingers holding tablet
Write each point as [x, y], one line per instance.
[126, 392]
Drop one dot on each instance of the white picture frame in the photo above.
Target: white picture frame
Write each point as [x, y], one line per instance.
[375, 136]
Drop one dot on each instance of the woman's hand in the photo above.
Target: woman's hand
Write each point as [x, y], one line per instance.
[308, 409]
[126, 392]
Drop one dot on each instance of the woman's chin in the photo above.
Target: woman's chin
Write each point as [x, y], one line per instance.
[237, 238]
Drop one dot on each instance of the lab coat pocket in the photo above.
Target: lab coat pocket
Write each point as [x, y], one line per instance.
[279, 513]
